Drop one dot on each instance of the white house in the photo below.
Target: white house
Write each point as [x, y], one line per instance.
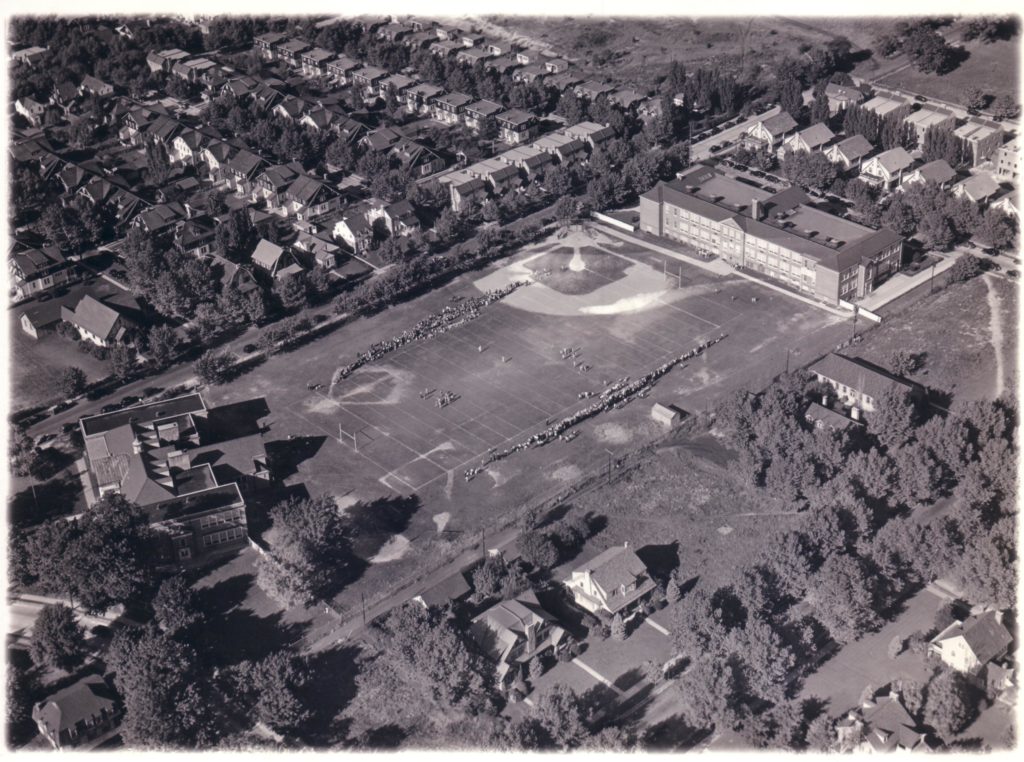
[969, 645]
[614, 582]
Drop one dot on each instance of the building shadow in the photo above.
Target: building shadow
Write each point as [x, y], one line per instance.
[285, 455]
[661, 560]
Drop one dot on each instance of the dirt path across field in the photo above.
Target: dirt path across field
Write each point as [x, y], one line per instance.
[995, 324]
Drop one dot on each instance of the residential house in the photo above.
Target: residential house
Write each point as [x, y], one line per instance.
[394, 32]
[779, 235]
[415, 158]
[616, 582]
[978, 188]
[65, 96]
[466, 190]
[419, 98]
[318, 119]
[241, 170]
[448, 108]
[419, 40]
[380, 139]
[938, 172]
[501, 47]
[41, 318]
[473, 56]
[341, 69]
[187, 147]
[187, 467]
[31, 109]
[887, 168]
[448, 32]
[1009, 160]
[95, 87]
[880, 723]
[593, 90]
[164, 60]
[348, 129]
[983, 138]
[314, 62]
[368, 78]
[472, 39]
[768, 133]
[1008, 203]
[160, 218]
[84, 711]
[971, 644]
[527, 158]
[307, 198]
[101, 322]
[590, 132]
[29, 56]
[354, 229]
[814, 138]
[446, 48]
[850, 153]
[449, 590]
[273, 181]
[516, 126]
[267, 44]
[291, 52]
[534, 72]
[841, 97]
[196, 237]
[556, 65]
[320, 248]
[479, 114]
[859, 384]
[566, 149]
[35, 271]
[512, 633]
[822, 417]
[502, 64]
[400, 217]
[927, 117]
[290, 108]
[626, 99]
[883, 105]
[562, 82]
[395, 85]
[270, 258]
[499, 176]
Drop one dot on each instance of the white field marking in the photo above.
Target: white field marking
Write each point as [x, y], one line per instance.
[626, 305]
[392, 550]
[441, 521]
[595, 674]
[995, 324]
[613, 433]
[345, 502]
[566, 473]
[724, 530]
[658, 627]
[528, 701]
[576, 264]
[496, 476]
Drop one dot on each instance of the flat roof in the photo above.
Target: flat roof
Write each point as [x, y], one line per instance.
[188, 403]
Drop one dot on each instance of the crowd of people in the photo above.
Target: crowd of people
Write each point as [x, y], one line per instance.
[615, 396]
[452, 316]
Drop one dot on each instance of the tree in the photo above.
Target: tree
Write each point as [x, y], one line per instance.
[844, 598]
[975, 97]
[964, 268]
[537, 549]
[496, 578]
[928, 51]
[448, 226]
[291, 291]
[536, 669]
[71, 382]
[176, 606]
[21, 452]
[935, 230]
[941, 143]
[899, 216]
[672, 591]
[162, 341]
[618, 627]
[812, 170]
[157, 162]
[951, 705]
[166, 696]
[903, 363]
[122, 361]
[821, 733]
[213, 368]
[1005, 107]
[57, 639]
[309, 551]
[271, 688]
[895, 646]
[791, 97]
[996, 229]
[561, 713]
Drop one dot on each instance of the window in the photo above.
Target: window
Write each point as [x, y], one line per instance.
[184, 553]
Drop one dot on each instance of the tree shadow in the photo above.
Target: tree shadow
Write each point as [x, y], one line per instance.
[285, 455]
[218, 599]
[673, 734]
[242, 635]
[385, 737]
[372, 524]
[54, 498]
[660, 560]
[628, 679]
[954, 59]
[51, 462]
[328, 692]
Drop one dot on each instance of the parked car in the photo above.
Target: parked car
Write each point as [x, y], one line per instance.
[45, 441]
[973, 111]
[715, 148]
[67, 428]
[771, 189]
[920, 98]
[726, 143]
[60, 407]
[109, 408]
[758, 173]
[1012, 274]
[130, 400]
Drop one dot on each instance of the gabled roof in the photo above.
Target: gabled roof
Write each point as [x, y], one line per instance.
[858, 375]
[780, 123]
[937, 171]
[979, 186]
[306, 190]
[894, 159]
[244, 163]
[484, 108]
[93, 316]
[455, 100]
[451, 588]
[855, 147]
[89, 697]
[816, 135]
[267, 254]
[984, 633]
[36, 260]
[515, 117]
[841, 92]
[614, 567]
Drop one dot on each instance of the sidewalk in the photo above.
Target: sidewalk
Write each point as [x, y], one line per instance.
[719, 267]
[902, 283]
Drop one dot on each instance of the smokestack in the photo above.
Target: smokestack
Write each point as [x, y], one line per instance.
[756, 211]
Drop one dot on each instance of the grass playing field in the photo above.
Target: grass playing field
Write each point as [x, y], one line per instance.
[622, 315]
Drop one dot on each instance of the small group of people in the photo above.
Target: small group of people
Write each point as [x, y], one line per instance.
[452, 316]
[446, 399]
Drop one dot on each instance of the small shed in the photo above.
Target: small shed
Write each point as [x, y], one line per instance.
[667, 415]
[450, 589]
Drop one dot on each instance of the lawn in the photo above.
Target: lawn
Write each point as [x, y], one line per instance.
[993, 67]
[506, 369]
[953, 331]
[36, 363]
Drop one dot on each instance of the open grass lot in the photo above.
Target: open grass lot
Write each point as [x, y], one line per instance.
[635, 48]
[630, 322]
[968, 354]
[992, 67]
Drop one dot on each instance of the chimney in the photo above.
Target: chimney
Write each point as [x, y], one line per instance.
[137, 446]
[531, 637]
[756, 212]
[179, 459]
[824, 399]
[855, 413]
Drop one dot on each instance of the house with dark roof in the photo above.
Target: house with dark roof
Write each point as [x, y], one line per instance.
[887, 168]
[479, 114]
[354, 228]
[822, 417]
[269, 257]
[841, 97]
[368, 78]
[449, 590]
[978, 188]
[626, 99]
[514, 632]
[265, 44]
[593, 90]
[102, 322]
[850, 152]
[419, 98]
[464, 189]
[341, 68]
[982, 137]
[969, 645]
[400, 217]
[859, 384]
[516, 126]
[307, 198]
[186, 466]
[314, 62]
[881, 723]
[448, 108]
[79, 714]
[590, 132]
[938, 172]
[415, 158]
[527, 158]
[240, 171]
[614, 582]
[395, 85]
[768, 133]
[34, 271]
[564, 148]
[779, 235]
[814, 138]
